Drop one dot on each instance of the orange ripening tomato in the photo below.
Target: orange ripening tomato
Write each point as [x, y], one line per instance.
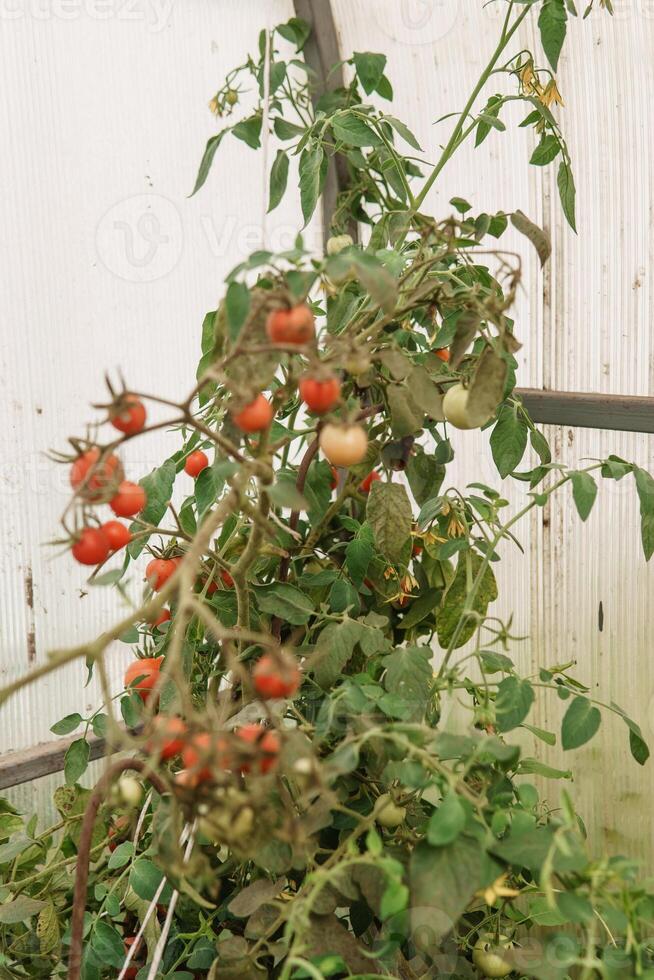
[128, 415]
[267, 743]
[276, 676]
[164, 616]
[343, 445]
[292, 326]
[443, 354]
[106, 477]
[91, 547]
[159, 570]
[130, 499]
[141, 675]
[320, 396]
[203, 754]
[256, 416]
[116, 534]
[195, 463]
[168, 737]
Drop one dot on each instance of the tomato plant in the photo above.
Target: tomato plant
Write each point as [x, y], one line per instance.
[336, 774]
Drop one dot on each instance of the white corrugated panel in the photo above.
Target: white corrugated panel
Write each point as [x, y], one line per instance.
[107, 119]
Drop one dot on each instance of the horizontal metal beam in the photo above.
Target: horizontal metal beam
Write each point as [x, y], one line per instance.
[585, 410]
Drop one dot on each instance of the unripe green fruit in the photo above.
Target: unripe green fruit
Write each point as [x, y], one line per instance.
[337, 243]
[130, 791]
[388, 813]
[488, 957]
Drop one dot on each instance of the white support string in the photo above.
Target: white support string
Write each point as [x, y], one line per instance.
[165, 929]
[186, 831]
[265, 134]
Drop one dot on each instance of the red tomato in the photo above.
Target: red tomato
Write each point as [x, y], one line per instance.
[159, 570]
[91, 547]
[163, 617]
[256, 416]
[227, 579]
[168, 737]
[107, 475]
[129, 416]
[443, 354]
[320, 396]
[203, 755]
[416, 549]
[333, 483]
[293, 326]
[195, 463]
[276, 677]
[141, 675]
[212, 587]
[366, 484]
[130, 499]
[116, 534]
[267, 743]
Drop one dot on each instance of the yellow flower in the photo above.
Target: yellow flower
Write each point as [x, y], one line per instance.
[529, 79]
[550, 95]
[497, 890]
[455, 527]
[216, 107]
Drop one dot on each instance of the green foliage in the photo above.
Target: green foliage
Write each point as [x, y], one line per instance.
[399, 823]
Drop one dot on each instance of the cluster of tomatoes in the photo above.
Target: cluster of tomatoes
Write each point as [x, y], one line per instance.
[98, 478]
[252, 749]
[343, 445]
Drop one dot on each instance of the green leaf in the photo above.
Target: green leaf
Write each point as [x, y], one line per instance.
[358, 554]
[425, 476]
[76, 760]
[426, 603]
[285, 494]
[249, 130]
[278, 179]
[370, 69]
[108, 944]
[567, 193]
[343, 596]
[353, 130]
[638, 747]
[580, 722]
[645, 488]
[145, 878]
[158, 486]
[460, 204]
[443, 880]
[584, 492]
[389, 514]
[552, 23]
[538, 238]
[515, 697]
[67, 724]
[286, 130]
[333, 651]
[546, 151]
[375, 277]
[447, 822]
[237, 307]
[508, 440]
[207, 160]
[295, 30]
[121, 856]
[310, 170]
[20, 909]
[404, 132]
[285, 601]
[453, 601]
[408, 674]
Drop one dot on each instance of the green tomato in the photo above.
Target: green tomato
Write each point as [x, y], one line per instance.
[130, 791]
[490, 958]
[337, 243]
[455, 407]
[388, 813]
